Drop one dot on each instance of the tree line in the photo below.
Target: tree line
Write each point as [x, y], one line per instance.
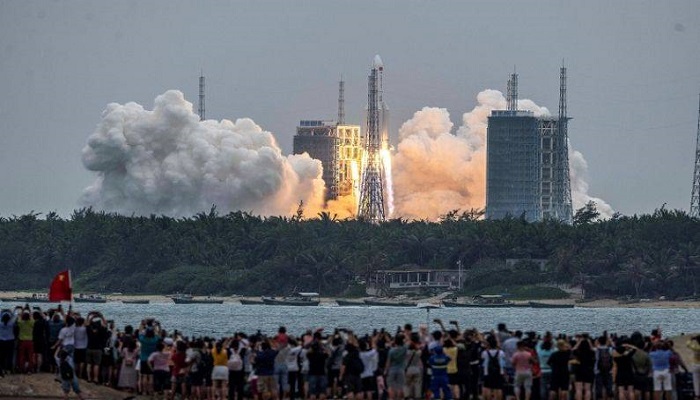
[636, 256]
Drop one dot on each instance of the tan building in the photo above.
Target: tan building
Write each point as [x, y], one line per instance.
[339, 148]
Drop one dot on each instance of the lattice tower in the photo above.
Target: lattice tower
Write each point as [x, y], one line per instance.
[695, 197]
[341, 102]
[563, 189]
[371, 204]
[201, 98]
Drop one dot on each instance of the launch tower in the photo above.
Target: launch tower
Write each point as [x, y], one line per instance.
[371, 204]
[527, 161]
[201, 97]
[695, 196]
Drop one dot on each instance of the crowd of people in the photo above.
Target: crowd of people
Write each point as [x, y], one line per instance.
[447, 362]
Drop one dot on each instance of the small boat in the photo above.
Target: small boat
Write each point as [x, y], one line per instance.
[484, 301]
[350, 303]
[301, 299]
[90, 298]
[389, 303]
[535, 304]
[251, 302]
[136, 301]
[34, 298]
[188, 299]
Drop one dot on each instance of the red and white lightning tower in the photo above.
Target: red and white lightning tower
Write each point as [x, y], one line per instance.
[371, 204]
[695, 196]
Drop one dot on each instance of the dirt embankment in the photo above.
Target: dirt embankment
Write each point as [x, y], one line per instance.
[43, 386]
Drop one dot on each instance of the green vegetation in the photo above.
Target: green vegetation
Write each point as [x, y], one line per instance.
[637, 256]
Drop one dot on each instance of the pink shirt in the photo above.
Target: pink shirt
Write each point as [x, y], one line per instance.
[160, 361]
[521, 361]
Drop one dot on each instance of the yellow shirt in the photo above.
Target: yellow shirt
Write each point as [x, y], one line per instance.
[25, 329]
[220, 359]
[452, 353]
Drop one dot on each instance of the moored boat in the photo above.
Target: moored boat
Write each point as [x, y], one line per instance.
[484, 301]
[251, 302]
[535, 304]
[136, 301]
[188, 299]
[389, 303]
[301, 299]
[90, 298]
[34, 298]
[350, 303]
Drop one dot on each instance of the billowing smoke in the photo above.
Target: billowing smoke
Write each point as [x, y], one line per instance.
[578, 168]
[167, 161]
[436, 171]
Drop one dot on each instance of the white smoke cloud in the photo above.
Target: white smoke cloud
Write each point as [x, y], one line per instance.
[436, 171]
[167, 161]
[578, 171]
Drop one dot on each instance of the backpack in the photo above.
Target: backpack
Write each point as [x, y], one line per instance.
[206, 363]
[604, 360]
[198, 365]
[67, 372]
[235, 362]
[494, 368]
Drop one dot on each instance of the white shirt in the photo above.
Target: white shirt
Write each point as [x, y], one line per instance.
[293, 359]
[370, 359]
[67, 336]
[81, 339]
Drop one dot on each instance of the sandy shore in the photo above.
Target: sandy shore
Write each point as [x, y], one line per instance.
[601, 303]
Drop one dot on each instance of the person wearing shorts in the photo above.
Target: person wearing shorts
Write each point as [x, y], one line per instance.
[661, 366]
[148, 338]
[265, 369]
[559, 363]
[318, 382]
[219, 373]
[493, 360]
[396, 368]
[522, 362]
[158, 363]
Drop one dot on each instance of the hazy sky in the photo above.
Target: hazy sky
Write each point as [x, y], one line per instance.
[634, 76]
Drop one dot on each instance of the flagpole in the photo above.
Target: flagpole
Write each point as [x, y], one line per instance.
[70, 284]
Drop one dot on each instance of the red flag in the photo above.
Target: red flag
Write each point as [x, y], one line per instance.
[61, 288]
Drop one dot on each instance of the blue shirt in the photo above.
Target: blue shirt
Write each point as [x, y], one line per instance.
[148, 346]
[660, 359]
[54, 329]
[265, 362]
[7, 332]
[438, 364]
[543, 355]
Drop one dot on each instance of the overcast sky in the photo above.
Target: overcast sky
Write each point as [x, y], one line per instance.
[634, 76]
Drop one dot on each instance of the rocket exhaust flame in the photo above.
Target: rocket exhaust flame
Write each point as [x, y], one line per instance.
[167, 161]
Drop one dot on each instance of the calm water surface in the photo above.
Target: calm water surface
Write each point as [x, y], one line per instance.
[223, 319]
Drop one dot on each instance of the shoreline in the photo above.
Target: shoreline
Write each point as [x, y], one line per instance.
[7, 296]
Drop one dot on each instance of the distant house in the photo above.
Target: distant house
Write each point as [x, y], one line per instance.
[385, 282]
[540, 262]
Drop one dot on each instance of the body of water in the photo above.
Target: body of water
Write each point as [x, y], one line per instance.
[224, 319]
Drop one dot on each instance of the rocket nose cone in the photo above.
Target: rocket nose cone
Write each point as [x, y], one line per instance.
[377, 62]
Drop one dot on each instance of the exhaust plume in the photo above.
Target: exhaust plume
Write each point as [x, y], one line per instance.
[166, 161]
[436, 171]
